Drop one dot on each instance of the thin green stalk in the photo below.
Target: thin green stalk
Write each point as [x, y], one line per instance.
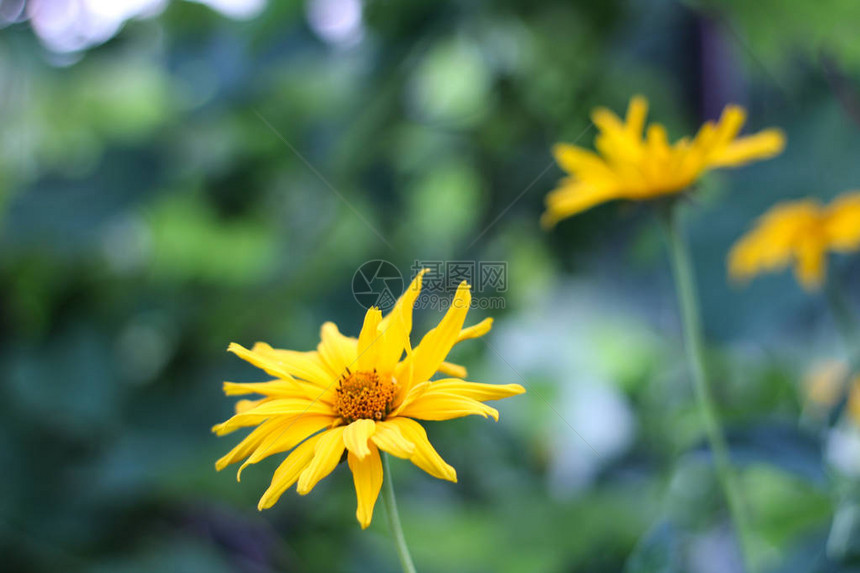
[688, 299]
[394, 518]
[843, 314]
[847, 514]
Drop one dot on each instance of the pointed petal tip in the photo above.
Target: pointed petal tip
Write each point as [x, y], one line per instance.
[548, 221]
[268, 500]
[559, 148]
[778, 135]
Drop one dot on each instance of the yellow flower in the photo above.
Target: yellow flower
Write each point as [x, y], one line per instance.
[824, 388]
[360, 395]
[799, 233]
[853, 406]
[824, 383]
[628, 166]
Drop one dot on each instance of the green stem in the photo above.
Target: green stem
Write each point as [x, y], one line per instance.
[843, 314]
[394, 518]
[688, 300]
[847, 514]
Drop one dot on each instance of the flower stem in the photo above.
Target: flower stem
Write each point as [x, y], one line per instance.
[394, 518]
[847, 514]
[843, 314]
[688, 300]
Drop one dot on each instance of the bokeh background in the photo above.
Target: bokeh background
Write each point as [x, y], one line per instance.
[177, 175]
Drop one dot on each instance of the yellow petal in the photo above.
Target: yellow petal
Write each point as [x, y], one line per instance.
[231, 425]
[843, 223]
[729, 126]
[243, 406]
[572, 198]
[284, 408]
[288, 472]
[437, 343]
[811, 266]
[637, 111]
[762, 145]
[578, 161]
[390, 439]
[305, 365]
[327, 454]
[242, 388]
[367, 477]
[250, 443]
[397, 326]
[356, 436]
[618, 145]
[776, 240]
[266, 363]
[705, 137]
[406, 302]
[369, 340]
[476, 390]
[410, 396]
[452, 370]
[425, 457]
[476, 331]
[277, 388]
[606, 121]
[658, 140]
[441, 406]
[339, 352]
[286, 436]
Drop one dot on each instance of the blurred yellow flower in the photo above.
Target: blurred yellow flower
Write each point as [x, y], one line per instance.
[628, 166]
[823, 383]
[799, 233]
[360, 395]
[853, 405]
[824, 388]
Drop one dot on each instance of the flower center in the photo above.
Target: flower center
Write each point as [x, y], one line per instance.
[364, 395]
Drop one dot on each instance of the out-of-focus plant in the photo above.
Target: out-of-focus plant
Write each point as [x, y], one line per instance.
[798, 233]
[630, 166]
